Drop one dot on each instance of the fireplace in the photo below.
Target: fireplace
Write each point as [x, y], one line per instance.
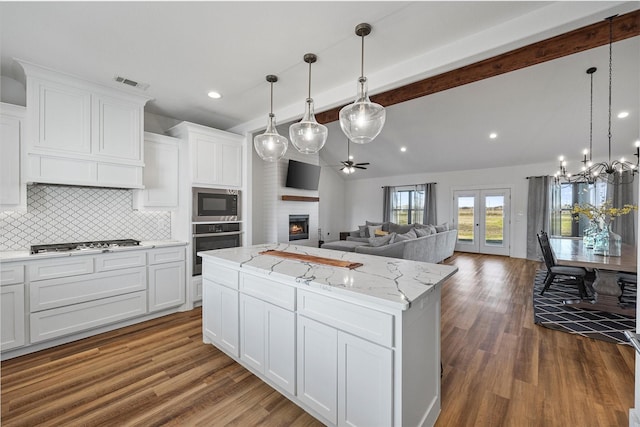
[298, 227]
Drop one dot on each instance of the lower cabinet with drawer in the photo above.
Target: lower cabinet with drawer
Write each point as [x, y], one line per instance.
[78, 293]
[166, 278]
[53, 300]
[345, 360]
[345, 378]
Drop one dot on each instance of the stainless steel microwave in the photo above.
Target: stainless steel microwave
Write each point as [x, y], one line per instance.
[211, 204]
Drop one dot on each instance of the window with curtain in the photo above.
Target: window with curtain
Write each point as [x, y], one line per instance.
[407, 205]
[564, 196]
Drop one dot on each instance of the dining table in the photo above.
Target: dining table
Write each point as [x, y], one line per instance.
[605, 289]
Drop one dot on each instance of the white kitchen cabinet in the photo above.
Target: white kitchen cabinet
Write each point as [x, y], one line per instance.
[252, 336]
[267, 340]
[344, 378]
[318, 367]
[117, 128]
[13, 190]
[12, 316]
[220, 321]
[167, 278]
[12, 306]
[363, 369]
[66, 320]
[160, 176]
[77, 293]
[166, 285]
[365, 383]
[82, 133]
[63, 291]
[216, 156]
[48, 300]
[359, 359]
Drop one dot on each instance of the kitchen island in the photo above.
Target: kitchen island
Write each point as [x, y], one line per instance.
[353, 339]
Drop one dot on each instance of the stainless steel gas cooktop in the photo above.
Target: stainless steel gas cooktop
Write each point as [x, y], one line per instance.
[78, 246]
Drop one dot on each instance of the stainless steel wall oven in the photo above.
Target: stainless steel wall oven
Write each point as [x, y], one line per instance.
[207, 237]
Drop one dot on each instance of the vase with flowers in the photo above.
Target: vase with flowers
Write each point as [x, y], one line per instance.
[604, 241]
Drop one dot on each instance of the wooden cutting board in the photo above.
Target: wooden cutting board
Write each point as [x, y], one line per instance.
[314, 259]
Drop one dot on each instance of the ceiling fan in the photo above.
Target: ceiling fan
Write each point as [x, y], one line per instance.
[349, 166]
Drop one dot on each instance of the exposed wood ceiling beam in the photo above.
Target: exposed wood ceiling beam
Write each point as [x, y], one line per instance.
[585, 38]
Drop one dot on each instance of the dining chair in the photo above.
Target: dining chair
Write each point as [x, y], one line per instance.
[624, 279]
[560, 273]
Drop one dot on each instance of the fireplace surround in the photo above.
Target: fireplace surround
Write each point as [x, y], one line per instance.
[298, 227]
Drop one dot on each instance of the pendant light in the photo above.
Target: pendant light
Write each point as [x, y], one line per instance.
[271, 146]
[308, 136]
[363, 120]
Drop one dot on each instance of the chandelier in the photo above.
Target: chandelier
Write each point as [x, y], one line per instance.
[603, 171]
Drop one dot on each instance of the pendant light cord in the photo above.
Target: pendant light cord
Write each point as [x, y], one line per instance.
[610, 72]
[591, 121]
[271, 102]
[309, 97]
[362, 57]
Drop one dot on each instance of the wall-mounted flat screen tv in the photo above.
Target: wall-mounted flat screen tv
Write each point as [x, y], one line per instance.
[303, 175]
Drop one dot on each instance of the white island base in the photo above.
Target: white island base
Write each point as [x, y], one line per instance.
[356, 347]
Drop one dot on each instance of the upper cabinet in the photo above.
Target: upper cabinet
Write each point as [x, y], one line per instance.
[216, 156]
[12, 187]
[161, 173]
[82, 133]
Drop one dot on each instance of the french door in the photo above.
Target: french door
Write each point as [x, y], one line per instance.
[482, 220]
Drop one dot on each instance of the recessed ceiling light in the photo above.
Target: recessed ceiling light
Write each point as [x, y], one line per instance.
[493, 135]
[403, 149]
[623, 114]
[215, 95]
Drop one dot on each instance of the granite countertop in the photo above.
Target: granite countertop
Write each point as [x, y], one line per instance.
[25, 255]
[390, 281]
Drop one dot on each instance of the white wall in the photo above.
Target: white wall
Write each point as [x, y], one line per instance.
[332, 203]
[156, 123]
[365, 196]
[271, 214]
[12, 91]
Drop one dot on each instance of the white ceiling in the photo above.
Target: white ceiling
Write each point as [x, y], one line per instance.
[184, 49]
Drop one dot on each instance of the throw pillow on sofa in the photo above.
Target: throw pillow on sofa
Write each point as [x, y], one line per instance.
[442, 227]
[380, 241]
[399, 228]
[411, 234]
[421, 232]
[372, 230]
[385, 225]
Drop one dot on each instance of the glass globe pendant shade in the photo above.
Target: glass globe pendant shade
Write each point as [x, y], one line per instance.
[363, 120]
[308, 136]
[270, 146]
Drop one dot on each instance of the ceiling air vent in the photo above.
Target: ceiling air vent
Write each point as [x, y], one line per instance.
[131, 83]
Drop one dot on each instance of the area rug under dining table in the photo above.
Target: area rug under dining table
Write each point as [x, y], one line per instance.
[551, 312]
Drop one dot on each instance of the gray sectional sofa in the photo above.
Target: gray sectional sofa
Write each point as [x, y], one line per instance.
[437, 245]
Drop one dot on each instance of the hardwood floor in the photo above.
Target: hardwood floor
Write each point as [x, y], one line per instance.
[499, 369]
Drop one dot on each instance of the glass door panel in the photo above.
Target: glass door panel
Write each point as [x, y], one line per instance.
[494, 220]
[482, 220]
[466, 213]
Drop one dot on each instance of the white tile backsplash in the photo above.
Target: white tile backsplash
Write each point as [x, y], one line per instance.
[57, 214]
